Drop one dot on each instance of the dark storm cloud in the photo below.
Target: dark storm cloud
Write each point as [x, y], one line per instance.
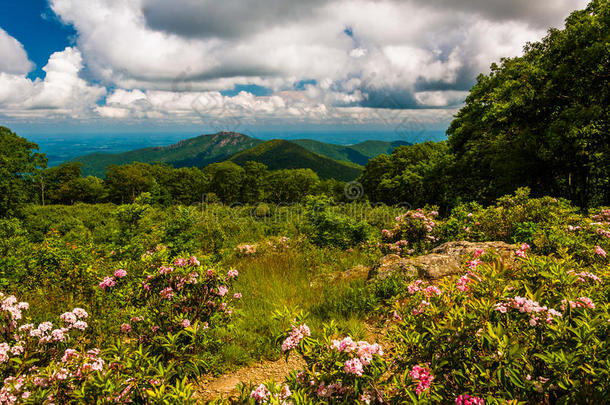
[227, 19]
[537, 13]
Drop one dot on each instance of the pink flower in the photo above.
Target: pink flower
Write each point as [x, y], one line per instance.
[295, 337]
[167, 293]
[193, 261]
[180, 262]
[126, 328]
[468, 400]
[423, 377]
[68, 355]
[522, 249]
[80, 325]
[600, 251]
[68, 317]
[58, 335]
[232, 273]
[414, 287]
[120, 273]
[478, 253]
[79, 312]
[165, 270]
[237, 296]
[432, 291]
[353, 366]
[260, 394]
[346, 345]
[107, 282]
[185, 323]
[472, 264]
[210, 272]
[222, 290]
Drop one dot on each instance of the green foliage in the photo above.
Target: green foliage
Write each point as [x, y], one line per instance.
[325, 227]
[359, 153]
[194, 152]
[541, 120]
[279, 154]
[413, 175]
[18, 166]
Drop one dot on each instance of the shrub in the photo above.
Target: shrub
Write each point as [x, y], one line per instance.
[327, 228]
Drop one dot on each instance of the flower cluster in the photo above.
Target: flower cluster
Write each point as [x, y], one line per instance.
[413, 232]
[13, 308]
[469, 400]
[295, 337]
[423, 377]
[527, 306]
[522, 249]
[363, 350]
[430, 291]
[582, 302]
[263, 395]
[107, 282]
[463, 283]
[583, 276]
[40, 346]
[246, 250]
[599, 251]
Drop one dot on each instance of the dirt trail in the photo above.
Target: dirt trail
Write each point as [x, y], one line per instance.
[258, 373]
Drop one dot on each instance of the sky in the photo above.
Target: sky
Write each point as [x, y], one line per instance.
[74, 66]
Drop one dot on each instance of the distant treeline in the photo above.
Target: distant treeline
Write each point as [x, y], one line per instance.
[224, 182]
[25, 179]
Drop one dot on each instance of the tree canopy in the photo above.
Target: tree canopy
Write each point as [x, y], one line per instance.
[542, 120]
[18, 165]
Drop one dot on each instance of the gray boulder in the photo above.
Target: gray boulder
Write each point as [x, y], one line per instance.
[442, 261]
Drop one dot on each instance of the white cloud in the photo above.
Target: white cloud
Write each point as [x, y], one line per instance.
[171, 60]
[61, 93]
[13, 58]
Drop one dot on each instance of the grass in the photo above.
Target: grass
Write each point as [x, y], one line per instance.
[283, 280]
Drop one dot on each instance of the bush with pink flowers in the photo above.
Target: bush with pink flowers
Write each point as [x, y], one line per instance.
[414, 232]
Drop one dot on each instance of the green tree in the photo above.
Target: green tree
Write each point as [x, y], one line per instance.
[19, 164]
[418, 174]
[542, 120]
[127, 182]
[57, 183]
[225, 180]
[291, 185]
[253, 185]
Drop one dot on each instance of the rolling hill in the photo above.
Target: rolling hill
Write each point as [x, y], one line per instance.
[194, 152]
[281, 154]
[328, 160]
[359, 153]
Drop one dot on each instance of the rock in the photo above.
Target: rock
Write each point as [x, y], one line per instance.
[443, 261]
[359, 272]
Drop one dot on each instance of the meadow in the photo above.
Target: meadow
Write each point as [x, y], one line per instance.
[107, 303]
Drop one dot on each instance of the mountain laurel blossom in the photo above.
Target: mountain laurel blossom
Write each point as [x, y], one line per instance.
[469, 400]
[527, 306]
[120, 273]
[107, 282]
[353, 366]
[423, 377]
[295, 337]
[600, 251]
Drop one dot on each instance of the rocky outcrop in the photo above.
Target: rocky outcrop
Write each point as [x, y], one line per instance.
[443, 261]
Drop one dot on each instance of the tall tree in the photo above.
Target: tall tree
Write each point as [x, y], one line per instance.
[542, 120]
[19, 164]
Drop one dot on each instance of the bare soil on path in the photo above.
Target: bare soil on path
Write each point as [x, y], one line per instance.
[212, 388]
